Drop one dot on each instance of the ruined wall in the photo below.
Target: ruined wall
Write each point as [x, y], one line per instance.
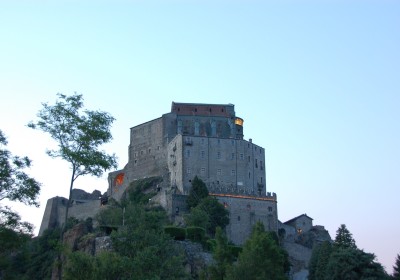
[54, 214]
[85, 210]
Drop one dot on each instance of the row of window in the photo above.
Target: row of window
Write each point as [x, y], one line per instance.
[203, 171]
[142, 152]
[248, 206]
[232, 156]
[188, 139]
[219, 172]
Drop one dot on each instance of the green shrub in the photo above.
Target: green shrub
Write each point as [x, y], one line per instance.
[235, 250]
[196, 234]
[210, 245]
[177, 233]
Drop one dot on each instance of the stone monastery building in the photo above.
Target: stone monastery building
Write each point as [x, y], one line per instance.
[204, 140]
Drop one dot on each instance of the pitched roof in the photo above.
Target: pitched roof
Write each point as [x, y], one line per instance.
[295, 218]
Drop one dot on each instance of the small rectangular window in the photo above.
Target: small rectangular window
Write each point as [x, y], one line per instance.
[188, 170]
[187, 153]
[233, 156]
[203, 170]
[218, 155]
[233, 172]
[203, 154]
[249, 158]
[241, 156]
[218, 171]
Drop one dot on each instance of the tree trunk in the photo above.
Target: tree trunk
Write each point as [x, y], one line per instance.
[65, 223]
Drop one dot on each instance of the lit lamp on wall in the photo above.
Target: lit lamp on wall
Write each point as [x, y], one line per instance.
[239, 127]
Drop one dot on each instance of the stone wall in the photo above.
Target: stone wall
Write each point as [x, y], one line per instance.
[290, 233]
[85, 210]
[299, 256]
[147, 151]
[54, 214]
[245, 212]
[225, 165]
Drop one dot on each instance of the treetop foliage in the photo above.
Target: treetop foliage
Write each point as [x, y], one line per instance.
[396, 269]
[142, 250]
[344, 238]
[205, 211]
[15, 184]
[343, 260]
[78, 133]
[197, 192]
[261, 258]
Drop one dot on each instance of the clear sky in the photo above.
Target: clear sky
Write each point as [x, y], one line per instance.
[316, 82]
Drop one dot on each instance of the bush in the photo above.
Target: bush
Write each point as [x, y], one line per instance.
[235, 250]
[71, 222]
[176, 232]
[210, 245]
[196, 234]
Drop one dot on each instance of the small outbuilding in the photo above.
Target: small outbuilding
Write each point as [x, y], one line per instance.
[302, 223]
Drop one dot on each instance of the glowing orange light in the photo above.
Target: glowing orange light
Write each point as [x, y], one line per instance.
[119, 179]
[239, 121]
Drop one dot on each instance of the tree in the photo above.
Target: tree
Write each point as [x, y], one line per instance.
[396, 269]
[319, 261]
[142, 247]
[261, 258]
[79, 136]
[222, 255]
[343, 260]
[353, 263]
[344, 238]
[205, 211]
[15, 184]
[197, 192]
[197, 218]
[218, 216]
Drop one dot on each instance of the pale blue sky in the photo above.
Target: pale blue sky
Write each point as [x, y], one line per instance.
[317, 83]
